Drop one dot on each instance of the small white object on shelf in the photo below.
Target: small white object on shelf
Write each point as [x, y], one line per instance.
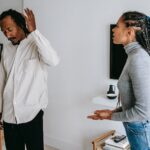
[104, 101]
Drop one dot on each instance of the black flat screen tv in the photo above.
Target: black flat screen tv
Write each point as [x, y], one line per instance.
[117, 57]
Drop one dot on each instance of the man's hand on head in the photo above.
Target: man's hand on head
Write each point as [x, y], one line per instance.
[30, 20]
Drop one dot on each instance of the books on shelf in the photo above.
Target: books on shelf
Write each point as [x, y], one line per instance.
[110, 147]
[111, 144]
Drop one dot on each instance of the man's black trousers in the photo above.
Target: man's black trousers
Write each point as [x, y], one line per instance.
[29, 134]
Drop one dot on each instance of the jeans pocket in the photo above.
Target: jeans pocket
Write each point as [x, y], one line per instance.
[138, 134]
[136, 128]
[147, 132]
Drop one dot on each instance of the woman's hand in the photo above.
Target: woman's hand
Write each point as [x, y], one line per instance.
[30, 20]
[101, 114]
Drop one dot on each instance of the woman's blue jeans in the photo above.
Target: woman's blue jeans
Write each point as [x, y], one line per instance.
[138, 134]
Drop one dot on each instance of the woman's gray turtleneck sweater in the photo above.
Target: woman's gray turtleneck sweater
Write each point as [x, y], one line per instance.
[134, 86]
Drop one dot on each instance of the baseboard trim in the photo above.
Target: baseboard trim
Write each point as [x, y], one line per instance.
[61, 144]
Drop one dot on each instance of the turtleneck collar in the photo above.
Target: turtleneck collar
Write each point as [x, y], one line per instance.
[131, 47]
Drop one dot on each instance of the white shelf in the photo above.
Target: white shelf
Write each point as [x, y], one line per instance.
[104, 101]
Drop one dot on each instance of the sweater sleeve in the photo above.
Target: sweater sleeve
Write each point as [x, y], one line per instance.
[118, 109]
[139, 74]
[2, 82]
[45, 50]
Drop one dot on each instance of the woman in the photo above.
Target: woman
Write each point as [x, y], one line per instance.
[133, 31]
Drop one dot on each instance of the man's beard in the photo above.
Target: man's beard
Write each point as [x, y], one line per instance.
[13, 42]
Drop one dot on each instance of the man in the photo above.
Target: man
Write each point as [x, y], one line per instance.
[23, 80]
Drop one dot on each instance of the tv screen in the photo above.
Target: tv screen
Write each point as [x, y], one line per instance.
[117, 57]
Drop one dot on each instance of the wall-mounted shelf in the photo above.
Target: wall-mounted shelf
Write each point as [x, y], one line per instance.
[104, 101]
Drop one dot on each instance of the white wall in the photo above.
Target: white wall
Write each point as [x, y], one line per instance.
[79, 31]
[9, 4]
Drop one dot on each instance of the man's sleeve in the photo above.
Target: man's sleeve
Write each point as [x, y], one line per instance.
[2, 82]
[46, 53]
